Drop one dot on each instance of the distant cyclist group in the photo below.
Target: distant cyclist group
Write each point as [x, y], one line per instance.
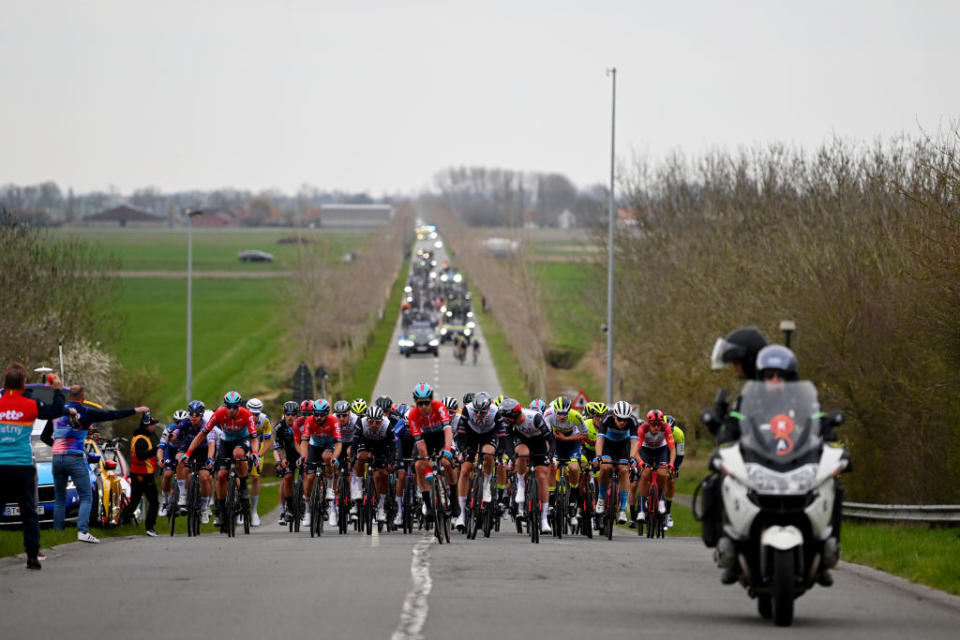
[448, 463]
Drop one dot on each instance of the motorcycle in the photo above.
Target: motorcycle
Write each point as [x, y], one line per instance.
[779, 495]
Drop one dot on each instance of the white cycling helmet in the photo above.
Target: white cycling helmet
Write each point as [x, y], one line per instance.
[255, 406]
[622, 410]
[179, 415]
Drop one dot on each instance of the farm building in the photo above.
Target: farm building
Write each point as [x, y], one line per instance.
[355, 215]
[123, 216]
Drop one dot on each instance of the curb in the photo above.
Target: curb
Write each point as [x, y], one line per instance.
[919, 591]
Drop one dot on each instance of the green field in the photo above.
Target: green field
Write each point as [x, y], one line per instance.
[237, 337]
[563, 288]
[214, 250]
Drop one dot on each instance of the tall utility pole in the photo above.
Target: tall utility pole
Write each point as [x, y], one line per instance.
[612, 72]
[190, 216]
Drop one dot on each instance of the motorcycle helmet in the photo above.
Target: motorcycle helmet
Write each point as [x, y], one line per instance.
[777, 359]
[741, 346]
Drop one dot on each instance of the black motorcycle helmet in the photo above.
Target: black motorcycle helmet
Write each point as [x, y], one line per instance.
[775, 358]
[740, 346]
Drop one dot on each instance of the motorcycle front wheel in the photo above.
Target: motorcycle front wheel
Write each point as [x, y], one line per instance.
[782, 585]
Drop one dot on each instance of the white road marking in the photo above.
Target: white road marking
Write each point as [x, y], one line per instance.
[414, 613]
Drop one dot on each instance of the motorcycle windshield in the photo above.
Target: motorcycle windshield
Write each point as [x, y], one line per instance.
[780, 421]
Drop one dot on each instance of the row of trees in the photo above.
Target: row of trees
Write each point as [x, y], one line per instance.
[859, 244]
[46, 204]
[493, 197]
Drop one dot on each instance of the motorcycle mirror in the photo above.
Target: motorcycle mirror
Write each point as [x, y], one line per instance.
[835, 419]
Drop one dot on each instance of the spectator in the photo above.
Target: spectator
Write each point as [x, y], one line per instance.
[69, 458]
[143, 459]
[18, 475]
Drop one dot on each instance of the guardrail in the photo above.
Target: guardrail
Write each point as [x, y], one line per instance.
[903, 512]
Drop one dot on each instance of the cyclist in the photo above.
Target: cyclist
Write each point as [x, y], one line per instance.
[657, 452]
[203, 456]
[238, 439]
[286, 443]
[588, 438]
[477, 430]
[679, 439]
[167, 448]
[429, 424]
[533, 440]
[398, 418]
[265, 431]
[567, 425]
[376, 443]
[616, 444]
[320, 443]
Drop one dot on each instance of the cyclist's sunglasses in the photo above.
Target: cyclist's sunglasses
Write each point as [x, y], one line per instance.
[562, 415]
[773, 375]
[424, 403]
[232, 407]
[342, 415]
[196, 414]
[374, 420]
[291, 413]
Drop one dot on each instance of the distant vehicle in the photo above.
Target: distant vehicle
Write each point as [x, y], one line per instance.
[254, 255]
[420, 341]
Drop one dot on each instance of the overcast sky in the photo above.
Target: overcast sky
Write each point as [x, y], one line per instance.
[379, 95]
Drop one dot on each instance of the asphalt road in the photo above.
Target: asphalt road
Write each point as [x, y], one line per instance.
[278, 585]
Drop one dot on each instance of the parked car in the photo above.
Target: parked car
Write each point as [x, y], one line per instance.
[254, 255]
[420, 341]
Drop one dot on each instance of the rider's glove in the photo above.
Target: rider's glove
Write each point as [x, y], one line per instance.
[336, 462]
[210, 463]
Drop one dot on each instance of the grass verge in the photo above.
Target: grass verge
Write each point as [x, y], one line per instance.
[362, 376]
[11, 540]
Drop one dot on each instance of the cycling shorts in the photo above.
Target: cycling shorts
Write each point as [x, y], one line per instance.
[617, 449]
[539, 450]
[225, 451]
[380, 453]
[471, 442]
[347, 455]
[568, 450]
[315, 456]
[655, 457]
[406, 450]
[170, 458]
[435, 441]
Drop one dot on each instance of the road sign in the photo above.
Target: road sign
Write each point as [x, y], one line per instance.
[580, 402]
[302, 383]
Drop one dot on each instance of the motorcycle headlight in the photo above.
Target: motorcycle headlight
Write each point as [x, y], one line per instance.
[765, 480]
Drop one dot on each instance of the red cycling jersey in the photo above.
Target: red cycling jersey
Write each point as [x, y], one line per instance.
[321, 432]
[430, 421]
[241, 427]
[298, 428]
[663, 437]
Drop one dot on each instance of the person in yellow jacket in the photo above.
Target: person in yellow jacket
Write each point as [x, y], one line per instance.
[143, 463]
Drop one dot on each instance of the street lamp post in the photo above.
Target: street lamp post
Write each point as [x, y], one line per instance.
[190, 216]
[612, 71]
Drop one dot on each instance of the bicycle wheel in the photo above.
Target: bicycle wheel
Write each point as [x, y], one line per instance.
[586, 517]
[245, 511]
[409, 504]
[610, 514]
[314, 508]
[473, 505]
[173, 509]
[533, 507]
[193, 506]
[294, 524]
[369, 501]
[652, 511]
[230, 507]
[560, 509]
[343, 502]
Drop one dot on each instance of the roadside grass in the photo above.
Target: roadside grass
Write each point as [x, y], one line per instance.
[11, 540]
[915, 552]
[237, 339]
[362, 376]
[508, 371]
[564, 287]
[213, 249]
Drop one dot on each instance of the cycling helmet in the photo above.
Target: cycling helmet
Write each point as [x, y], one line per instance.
[622, 410]
[423, 391]
[777, 358]
[321, 408]
[196, 407]
[341, 407]
[255, 405]
[451, 404]
[561, 404]
[179, 415]
[596, 409]
[384, 402]
[510, 407]
[481, 402]
[468, 398]
[232, 399]
[358, 406]
[290, 408]
[498, 400]
[306, 406]
[740, 346]
[402, 409]
[374, 412]
[670, 420]
[654, 415]
[538, 405]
